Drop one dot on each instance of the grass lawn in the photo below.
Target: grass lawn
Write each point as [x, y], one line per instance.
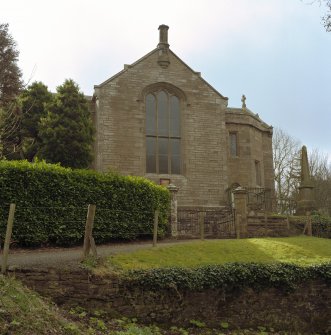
[300, 250]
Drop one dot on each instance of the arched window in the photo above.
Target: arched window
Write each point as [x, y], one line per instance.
[162, 133]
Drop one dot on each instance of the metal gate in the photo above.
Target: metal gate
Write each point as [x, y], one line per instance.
[206, 222]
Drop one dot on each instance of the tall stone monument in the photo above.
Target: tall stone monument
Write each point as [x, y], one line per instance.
[306, 201]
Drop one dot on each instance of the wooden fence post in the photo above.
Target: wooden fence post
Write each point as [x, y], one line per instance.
[9, 230]
[88, 238]
[201, 220]
[156, 223]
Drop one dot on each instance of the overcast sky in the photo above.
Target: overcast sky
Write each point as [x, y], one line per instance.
[276, 52]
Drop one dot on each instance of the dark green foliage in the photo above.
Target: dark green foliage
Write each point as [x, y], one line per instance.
[10, 74]
[327, 17]
[231, 276]
[51, 204]
[10, 86]
[321, 225]
[33, 101]
[67, 130]
[10, 136]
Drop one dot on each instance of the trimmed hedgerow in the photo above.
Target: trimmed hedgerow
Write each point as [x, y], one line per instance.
[321, 225]
[51, 204]
[231, 276]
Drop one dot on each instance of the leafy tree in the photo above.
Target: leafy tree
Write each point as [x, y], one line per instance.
[10, 137]
[10, 74]
[67, 130]
[10, 86]
[327, 17]
[33, 101]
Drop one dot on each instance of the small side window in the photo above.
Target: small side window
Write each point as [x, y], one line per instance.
[233, 144]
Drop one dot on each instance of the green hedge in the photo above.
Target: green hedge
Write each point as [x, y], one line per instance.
[231, 276]
[51, 204]
[321, 225]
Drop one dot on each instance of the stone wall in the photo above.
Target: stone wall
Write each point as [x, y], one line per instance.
[254, 140]
[270, 226]
[305, 310]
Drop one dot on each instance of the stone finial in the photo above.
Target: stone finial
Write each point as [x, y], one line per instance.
[163, 40]
[243, 100]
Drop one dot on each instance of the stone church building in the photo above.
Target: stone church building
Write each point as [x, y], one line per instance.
[159, 119]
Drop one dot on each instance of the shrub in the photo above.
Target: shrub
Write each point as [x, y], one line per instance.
[231, 276]
[51, 204]
[321, 225]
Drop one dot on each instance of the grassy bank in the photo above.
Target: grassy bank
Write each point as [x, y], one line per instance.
[24, 312]
[300, 250]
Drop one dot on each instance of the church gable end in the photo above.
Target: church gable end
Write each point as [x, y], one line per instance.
[159, 119]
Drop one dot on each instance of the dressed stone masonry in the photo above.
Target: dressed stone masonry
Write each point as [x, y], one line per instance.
[159, 119]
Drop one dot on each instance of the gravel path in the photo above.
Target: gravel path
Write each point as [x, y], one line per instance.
[70, 257]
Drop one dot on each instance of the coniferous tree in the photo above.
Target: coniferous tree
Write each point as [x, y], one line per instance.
[33, 101]
[10, 74]
[67, 130]
[10, 86]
